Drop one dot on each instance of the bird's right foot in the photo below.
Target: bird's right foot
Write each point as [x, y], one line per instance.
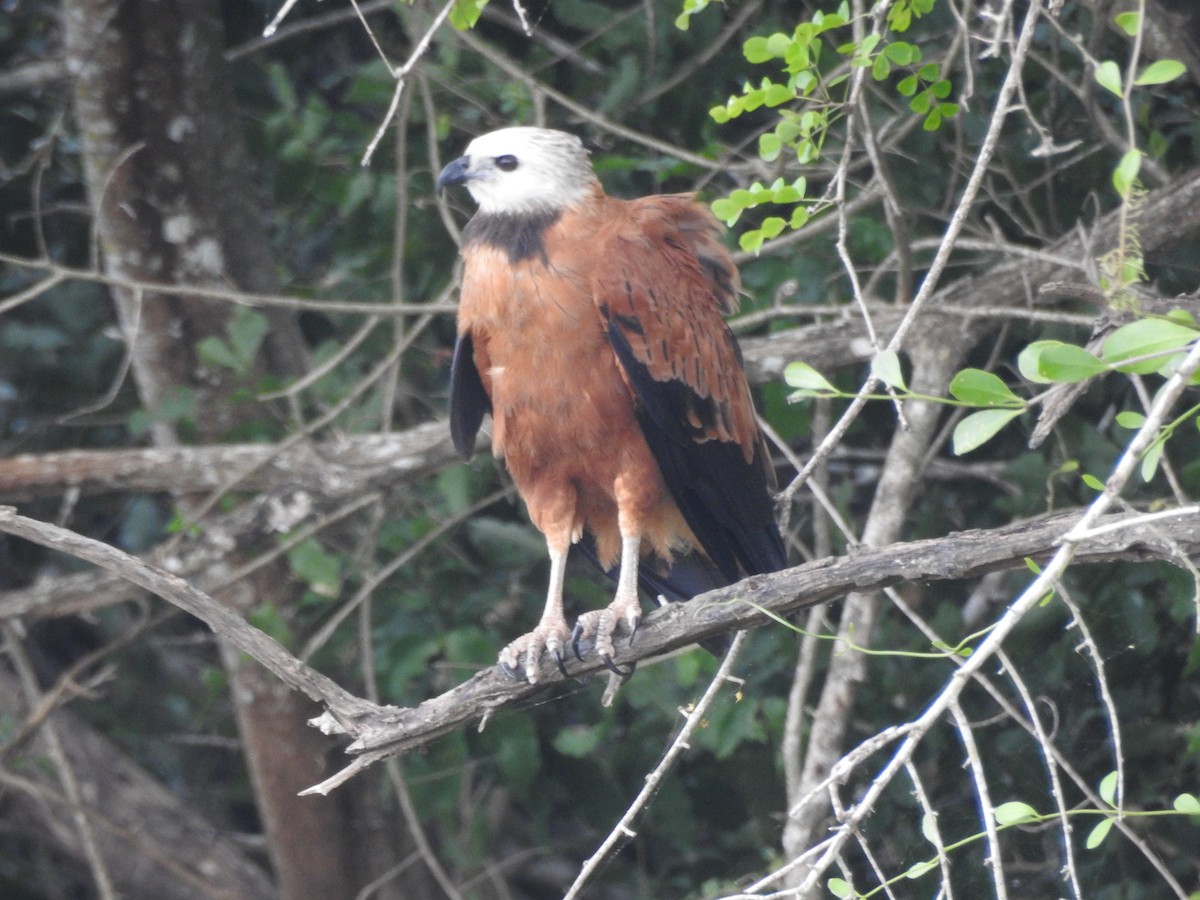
[523, 657]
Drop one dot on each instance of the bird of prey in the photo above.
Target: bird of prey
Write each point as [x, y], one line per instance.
[590, 329]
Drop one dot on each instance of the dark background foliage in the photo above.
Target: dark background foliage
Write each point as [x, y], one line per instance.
[511, 811]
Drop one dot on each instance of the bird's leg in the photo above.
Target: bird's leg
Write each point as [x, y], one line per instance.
[600, 625]
[550, 635]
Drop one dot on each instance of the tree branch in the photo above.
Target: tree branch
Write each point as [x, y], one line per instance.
[336, 469]
[382, 731]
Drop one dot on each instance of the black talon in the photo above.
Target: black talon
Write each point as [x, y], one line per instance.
[508, 670]
[634, 630]
[576, 634]
[614, 668]
[558, 660]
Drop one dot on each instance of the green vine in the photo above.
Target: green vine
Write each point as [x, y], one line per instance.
[810, 95]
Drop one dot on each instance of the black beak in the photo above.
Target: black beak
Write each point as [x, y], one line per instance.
[457, 172]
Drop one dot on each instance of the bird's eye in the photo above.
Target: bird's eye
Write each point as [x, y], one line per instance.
[506, 163]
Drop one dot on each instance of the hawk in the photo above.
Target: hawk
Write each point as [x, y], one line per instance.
[591, 330]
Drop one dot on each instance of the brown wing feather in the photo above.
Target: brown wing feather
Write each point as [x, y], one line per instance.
[666, 285]
[661, 291]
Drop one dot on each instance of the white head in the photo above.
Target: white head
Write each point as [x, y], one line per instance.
[522, 171]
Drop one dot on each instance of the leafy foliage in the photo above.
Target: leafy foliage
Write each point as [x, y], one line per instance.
[549, 780]
[821, 95]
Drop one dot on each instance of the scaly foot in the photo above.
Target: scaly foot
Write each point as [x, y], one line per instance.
[599, 626]
[523, 656]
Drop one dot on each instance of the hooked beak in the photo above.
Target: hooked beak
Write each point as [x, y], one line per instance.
[457, 172]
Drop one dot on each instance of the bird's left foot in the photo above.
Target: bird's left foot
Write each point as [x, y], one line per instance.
[599, 626]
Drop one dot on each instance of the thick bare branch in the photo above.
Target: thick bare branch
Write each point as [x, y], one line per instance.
[379, 732]
[219, 617]
[762, 599]
[344, 467]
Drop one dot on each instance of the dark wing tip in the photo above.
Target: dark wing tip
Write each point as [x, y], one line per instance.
[724, 497]
[469, 402]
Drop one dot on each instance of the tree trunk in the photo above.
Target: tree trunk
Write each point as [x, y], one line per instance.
[175, 202]
[152, 844]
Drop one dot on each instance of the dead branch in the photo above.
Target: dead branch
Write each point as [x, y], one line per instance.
[337, 469]
[382, 731]
[219, 617]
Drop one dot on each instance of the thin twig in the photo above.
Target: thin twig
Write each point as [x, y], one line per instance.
[623, 830]
[942, 257]
[62, 767]
[995, 862]
[1029, 598]
[402, 73]
[1045, 743]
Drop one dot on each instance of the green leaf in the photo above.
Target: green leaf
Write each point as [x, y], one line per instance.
[901, 53]
[886, 367]
[1129, 22]
[466, 13]
[1093, 482]
[918, 869]
[1183, 317]
[769, 146]
[751, 241]
[742, 198]
[1146, 337]
[839, 887]
[577, 741]
[899, 16]
[779, 43]
[1130, 419]
[1161, 72]
[268, 619]
[1097, 835]
[215, 352]
[1126, 172]
[1151, 458]
[1187, 803]
[1108, 74]
[773, 226]
[246, 333]
[1014, 812]
[1047, 362]
[778, 94]
[803, 376]
[1108, 788]
[806, 152]
[320, 570]
[755, 50]
[908, 86]
[929, 826]
[979, 427]
[726, 210]
[981, 388]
